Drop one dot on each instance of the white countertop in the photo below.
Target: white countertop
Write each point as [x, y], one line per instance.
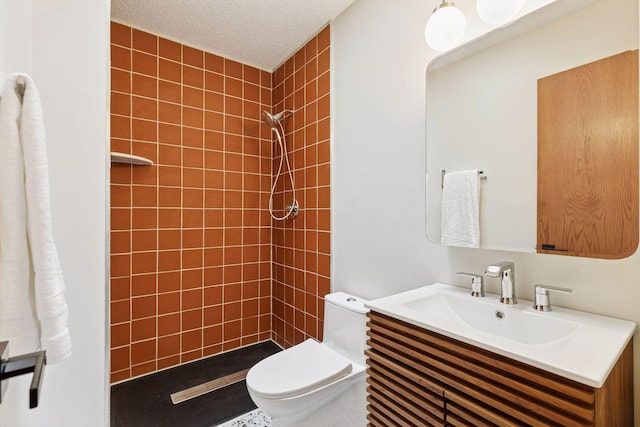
[586, 354]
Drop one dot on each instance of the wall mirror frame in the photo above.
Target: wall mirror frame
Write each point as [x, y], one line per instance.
[481, 110]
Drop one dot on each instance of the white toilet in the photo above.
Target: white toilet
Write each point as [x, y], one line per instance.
[318, 384]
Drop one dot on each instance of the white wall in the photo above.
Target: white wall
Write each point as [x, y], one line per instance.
[64, 45]
[379, 244]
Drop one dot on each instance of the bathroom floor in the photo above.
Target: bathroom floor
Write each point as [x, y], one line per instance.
[146, 401]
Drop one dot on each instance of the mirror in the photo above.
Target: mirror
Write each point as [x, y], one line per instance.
[481, 109]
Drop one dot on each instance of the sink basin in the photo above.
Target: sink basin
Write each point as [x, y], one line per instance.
[576, 345]
[517, 325]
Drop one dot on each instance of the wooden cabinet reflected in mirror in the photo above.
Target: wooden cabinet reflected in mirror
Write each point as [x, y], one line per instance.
[588, 159]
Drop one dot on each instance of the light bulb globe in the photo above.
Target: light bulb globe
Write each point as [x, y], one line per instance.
[445, 28]
[498, 12]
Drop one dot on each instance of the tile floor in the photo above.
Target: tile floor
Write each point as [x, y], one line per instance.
[146, 401]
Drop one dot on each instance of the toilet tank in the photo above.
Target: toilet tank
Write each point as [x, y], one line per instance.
[345, 325]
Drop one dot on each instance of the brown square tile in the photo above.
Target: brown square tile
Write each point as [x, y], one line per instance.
[169, 261]
[192, 299]
[169, 176]
[233, 125]
[169, 239]
[214, 62]
[212, 315]
[193, 56]
[233, 105]
[144, 240]
[169, 113]
[191, 279]
[143, 284]
[212, 121]
[193, 97]
[120, 81]
[169, 70]
[144, 130]
[169, 218]
[120, 219]
[144, 108]
[145, 42]
[169, 49]
[191, 340]
[120, 34]
[120, 311]
[142, 307]
[144, 218]
[193, 117]
[233, 68]
[120, 104]
[120, 57]
[168, 345]
[143, 351]
[324, 38]
[144, 196]
[120, 127]
[143, 262]
[169, 134]
[168, 303]
[192, 258]
[144, 63]
[193, 76]
[231, 330]
[192, 319]
[169, 281]
[192, 238]
[120, 288]
[213, 295]
[212, 218]
[120, 334]
[192, 157]
[233, 87]
[169, 324]
[120, 359]
[169, 91]
[193, 198]
[170, 196]
[143, 329]
[169, 155]
[213, 101]
[214, 199]
[120, 265]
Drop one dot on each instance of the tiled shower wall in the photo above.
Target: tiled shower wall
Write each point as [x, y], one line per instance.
[190, 235]
[302, 250]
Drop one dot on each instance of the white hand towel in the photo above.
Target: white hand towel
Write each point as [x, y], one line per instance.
[33, 311]
[460, 219]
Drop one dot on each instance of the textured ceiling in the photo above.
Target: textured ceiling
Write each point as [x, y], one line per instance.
[262, 33]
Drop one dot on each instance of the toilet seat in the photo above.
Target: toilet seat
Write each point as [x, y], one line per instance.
[297, 370]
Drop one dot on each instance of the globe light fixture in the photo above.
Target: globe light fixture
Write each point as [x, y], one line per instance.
[445, 27]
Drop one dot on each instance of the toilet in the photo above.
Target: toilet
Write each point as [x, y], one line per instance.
[318, 384]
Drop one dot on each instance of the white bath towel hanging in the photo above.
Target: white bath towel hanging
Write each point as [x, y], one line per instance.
[460, 219]
[33, 311]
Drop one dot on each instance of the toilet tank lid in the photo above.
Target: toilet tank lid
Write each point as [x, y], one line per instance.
[347, 301]
[297, 370]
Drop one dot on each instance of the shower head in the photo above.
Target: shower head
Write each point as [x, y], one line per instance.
[272, 120]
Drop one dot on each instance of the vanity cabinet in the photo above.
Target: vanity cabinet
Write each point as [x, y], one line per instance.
[421, 378]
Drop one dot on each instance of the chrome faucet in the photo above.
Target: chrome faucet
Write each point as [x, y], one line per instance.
[542, 300]
[477, 290]
[505, 271]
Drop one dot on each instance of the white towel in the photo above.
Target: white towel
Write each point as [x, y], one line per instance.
[460, 219]
[33, 311]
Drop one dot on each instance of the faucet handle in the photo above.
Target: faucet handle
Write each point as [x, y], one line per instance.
[477, 290]
[542, 300]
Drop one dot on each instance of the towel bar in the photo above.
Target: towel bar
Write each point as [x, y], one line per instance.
[24, 364]
[443, 173]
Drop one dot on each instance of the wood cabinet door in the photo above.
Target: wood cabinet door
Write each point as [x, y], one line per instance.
[588, 159]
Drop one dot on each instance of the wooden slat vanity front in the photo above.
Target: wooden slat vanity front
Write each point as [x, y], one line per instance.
[421, 378]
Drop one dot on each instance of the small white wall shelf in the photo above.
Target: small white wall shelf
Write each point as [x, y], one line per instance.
[129, 159]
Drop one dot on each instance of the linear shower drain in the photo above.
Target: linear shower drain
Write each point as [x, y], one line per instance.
[208, 387]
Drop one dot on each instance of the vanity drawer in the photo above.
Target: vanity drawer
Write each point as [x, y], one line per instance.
[479, 386]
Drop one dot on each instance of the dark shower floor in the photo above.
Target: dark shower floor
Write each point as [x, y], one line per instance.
[146, 401]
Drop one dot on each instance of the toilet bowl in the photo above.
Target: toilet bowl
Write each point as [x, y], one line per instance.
[318, 384]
